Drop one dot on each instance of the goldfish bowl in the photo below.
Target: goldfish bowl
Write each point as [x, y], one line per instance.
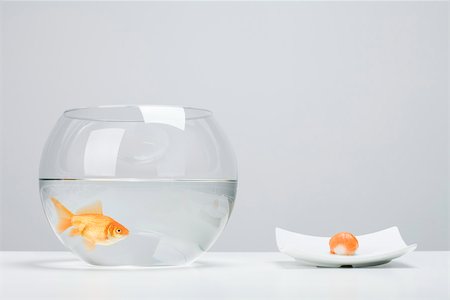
[137, 185]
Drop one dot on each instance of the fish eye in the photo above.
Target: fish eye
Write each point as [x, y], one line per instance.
[118, 230]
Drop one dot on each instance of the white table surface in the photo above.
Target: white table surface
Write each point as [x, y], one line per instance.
[236, 275]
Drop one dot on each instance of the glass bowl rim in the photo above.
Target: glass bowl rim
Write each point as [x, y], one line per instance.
[204, 113]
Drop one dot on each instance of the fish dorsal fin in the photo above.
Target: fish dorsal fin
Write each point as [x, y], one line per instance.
[91, 209]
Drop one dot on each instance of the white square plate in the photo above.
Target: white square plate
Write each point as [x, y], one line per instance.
[374, 248]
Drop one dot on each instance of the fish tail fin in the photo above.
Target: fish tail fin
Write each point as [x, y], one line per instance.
[64, 215]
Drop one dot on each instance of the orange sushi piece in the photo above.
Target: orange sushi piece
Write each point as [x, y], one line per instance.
[343, 243]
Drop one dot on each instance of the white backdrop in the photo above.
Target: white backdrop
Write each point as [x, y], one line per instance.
[337, 111]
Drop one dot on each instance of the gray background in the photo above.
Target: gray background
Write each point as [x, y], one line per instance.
[337, 111]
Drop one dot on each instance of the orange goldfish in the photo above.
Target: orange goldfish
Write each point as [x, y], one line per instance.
[90, 223]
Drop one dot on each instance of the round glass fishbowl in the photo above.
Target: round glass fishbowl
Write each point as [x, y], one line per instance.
[138, 185]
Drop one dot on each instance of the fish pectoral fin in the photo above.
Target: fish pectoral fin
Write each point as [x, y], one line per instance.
[90, 245]
[75, 232]
[94, 208]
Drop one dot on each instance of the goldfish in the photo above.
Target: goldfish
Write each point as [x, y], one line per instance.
[90, 223]
[343, 243]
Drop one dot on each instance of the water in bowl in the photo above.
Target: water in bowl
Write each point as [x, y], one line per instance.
[169, 222]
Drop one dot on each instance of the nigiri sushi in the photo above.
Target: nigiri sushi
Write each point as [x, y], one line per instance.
[343, 243]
